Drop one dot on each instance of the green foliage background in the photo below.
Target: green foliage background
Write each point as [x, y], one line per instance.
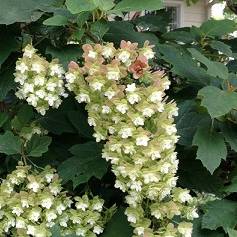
[201, 63]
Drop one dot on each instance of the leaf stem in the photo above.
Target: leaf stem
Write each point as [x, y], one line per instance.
[23, 156]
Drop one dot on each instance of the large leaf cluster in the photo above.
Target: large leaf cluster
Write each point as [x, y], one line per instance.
[201, 62]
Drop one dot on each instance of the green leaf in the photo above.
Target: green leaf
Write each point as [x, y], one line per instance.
[85, 163]
[25, 114]
[10, 144]
[122, 30]
[179, 60]
[231, 41]
[232, 65]
[221, 47]
[57, 122]
[77, 6]
[66, 54]
[12, 11]
[180, 36]
[78, 34]
[199, 232]
[38, 145]
[211, 148]
[215, 69]
[118, 226]
[217, 101]
[138, 5]
[3, 118]
[104, 5]
[232, 232]
[56, 20]
[79, 121]
[220, 213]
[217, 28]
[194, 176]
[8, 44]
[55, 231]
[154, 23]
[230, 133]
[84, 150]
[187, 121]
[99, 29]
[231, 188]
[6, 83]
[23, 117]
[232, 80]
[82, 18]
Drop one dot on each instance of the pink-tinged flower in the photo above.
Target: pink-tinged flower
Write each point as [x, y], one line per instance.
[108, 51]
[148, 45]
[87, 47]
[94, 68]
[127, 53]
[98, 48]
[157, 77]
[92, 54]
[147, 50]
[115, 70]
[128, 45]
[138, 67]
[158, 74]
[73, 66]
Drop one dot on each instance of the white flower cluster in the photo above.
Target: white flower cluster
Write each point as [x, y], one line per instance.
[40, 82]
[32, 202]
[33, 129]
[127, 106]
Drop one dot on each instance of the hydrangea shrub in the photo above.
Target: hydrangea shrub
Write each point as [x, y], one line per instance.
[129, 110]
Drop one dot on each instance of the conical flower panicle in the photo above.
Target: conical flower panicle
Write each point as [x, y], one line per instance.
[40, 82]
[128, 107]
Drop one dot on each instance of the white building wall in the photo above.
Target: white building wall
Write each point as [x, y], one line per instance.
[195, 14]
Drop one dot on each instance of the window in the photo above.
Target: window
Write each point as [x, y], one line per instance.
[172, 10]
